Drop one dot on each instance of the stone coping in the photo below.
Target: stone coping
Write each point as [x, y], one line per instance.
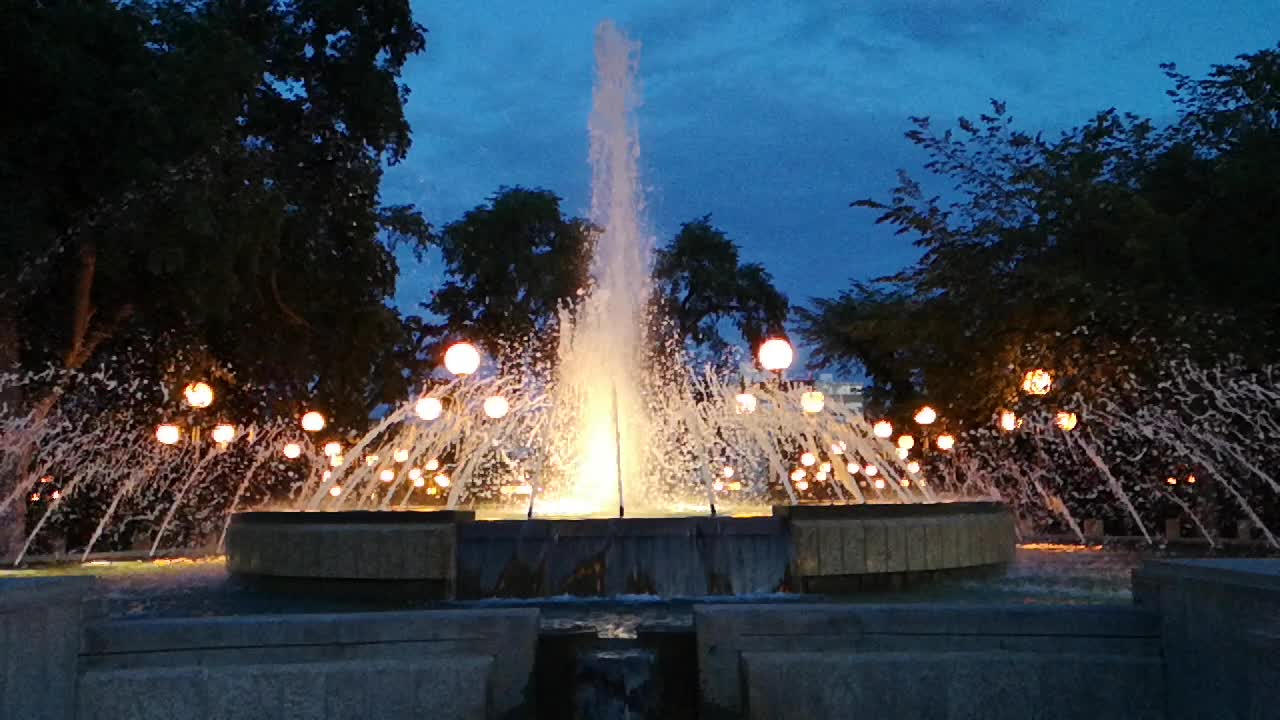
[1251, 573]
[615, 527]
[18, 593]
[353, 517]
[887, 511]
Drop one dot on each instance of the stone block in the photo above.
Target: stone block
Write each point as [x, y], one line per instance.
[352, 690]
[994, 685]
[505, 639]
[40, 625]
[853, 538]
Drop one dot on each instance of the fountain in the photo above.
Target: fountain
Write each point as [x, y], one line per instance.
[609, 479]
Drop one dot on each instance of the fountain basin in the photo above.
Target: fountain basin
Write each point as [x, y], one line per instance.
[448, 554]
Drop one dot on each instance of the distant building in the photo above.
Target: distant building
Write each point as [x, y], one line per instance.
[848, 394]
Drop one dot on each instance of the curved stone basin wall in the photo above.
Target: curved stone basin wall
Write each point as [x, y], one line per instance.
[799, 549]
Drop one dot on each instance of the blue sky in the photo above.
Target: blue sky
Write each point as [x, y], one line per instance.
[773, 116]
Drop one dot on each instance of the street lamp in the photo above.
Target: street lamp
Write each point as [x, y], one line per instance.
[1037, 382]
[775, 355]
[313, 421]
[496, 407]
[428, 408]
[223, 433]
[462, 359]
[926, 415]
[198, 395]
[882, 429]
[293, 451]
[1067, 421]
[168, 434]
[946, 442]
[812, 402]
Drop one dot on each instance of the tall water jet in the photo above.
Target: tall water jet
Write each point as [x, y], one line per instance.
[601, 360]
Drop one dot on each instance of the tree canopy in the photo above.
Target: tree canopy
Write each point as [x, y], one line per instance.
[511, 265]
[202, 179]
[1093, 253]
[700, 284]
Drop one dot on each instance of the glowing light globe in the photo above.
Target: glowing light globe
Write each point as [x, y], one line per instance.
[879, 484]
[335, 491]
[1037, 382]
[293, 451]
[902, 453]
[926, 415]
[198, 394]
[223, 433]
[312, 421]
[882, 429]
[802, 485]
[946, 442]
[812, 402]
[870, 470]
[775, 354]
[726, 471]
[1008, 421]
[1067, 421]
[433, 465]
[442, 480]
[462, 358]
[332, 448]
[797, 475]
[853, 468]
[913, 467]
[808, 459]
[718, 485]
[496, 406]
[419, 482]
[415, 473]
[746, 403]
[824, 467]
[400, 455]
[837, 448]
[371, 460]
[168, 434]
[387, 475]
[428, 408]
[906, 442]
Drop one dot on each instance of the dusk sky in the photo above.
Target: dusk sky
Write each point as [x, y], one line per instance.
[773, 116]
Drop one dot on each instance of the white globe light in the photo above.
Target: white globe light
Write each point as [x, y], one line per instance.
[946, 442]
[496, 406]
[168, 434]
[442, 480]
[882, 429]
[198, 394]
[313, 421]
[223, 434]
[913, 467]
[332, 448]
[879, 483]
[926, 415]
[870, 470]
[419, 481]
[292, 451]
[802, 485]
[400, 455]
[335, 491]
[906, 442]
[824, 467]
[775, 354]
[853, 468]
[727, 471]
[1008, 421]
[808, 459]
[433, 464]
[462, 358]
[746, 403]
[415, 473]
[902, 453]
[428, 408]
[387, 475]
[812, 401]
[797, 475]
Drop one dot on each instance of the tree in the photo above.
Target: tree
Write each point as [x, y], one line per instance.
[191, 187]
[205, 176]
[700, 284]
[511, 266]
[1089, 254]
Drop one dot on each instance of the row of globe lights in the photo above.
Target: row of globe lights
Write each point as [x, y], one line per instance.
[460, 359]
